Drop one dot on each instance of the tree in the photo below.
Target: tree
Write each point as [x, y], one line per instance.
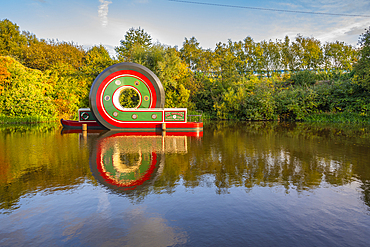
[26, 92]
[133, 38]
[148, 57]
[362, 68]
[11, 40]
[190, 53]
[340, 56]
[248, 47]
[308, 53]
[271, 54]
[96, 60]
[259, 59]
[241, 59]
[286, 54]
[44, 55]
[175, 77]
[226, 60]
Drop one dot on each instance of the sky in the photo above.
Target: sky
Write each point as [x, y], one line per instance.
[94, 22]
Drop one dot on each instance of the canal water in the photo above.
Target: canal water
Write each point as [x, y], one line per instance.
[238, 184]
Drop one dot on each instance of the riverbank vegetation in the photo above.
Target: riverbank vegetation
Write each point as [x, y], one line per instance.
[298, 79]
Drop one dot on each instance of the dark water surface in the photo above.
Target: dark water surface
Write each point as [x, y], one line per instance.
[241, 184]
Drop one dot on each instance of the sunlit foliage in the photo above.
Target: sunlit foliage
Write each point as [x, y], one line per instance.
[362, 68]
[289, 79]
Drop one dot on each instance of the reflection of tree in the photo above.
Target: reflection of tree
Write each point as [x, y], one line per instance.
[39, 161]
[362, 171]
[366, 192]
[296, 156]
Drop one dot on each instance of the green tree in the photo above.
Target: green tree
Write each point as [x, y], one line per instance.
[248, 48]
[286, 54]
[271, 54]
[149, 57]
[339, 56]
[166, 63]
[27, 92]
[362, 68]
[308, 53]
[226, 61]
[241, 58]
[206, 62]
[250, 99]
[133, 38]
[190, 52]
[11, 40]
[96, 60]
[259, 59]
[175, 77]
[71, 89]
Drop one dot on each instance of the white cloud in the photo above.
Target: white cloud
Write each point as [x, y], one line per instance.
[347, 31]
[103, 12]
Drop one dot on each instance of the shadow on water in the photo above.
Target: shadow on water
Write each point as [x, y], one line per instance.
[299, 157]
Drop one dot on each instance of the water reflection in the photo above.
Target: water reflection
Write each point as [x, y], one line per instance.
[125, 161]
[129, 165]
[144, 230]
[296, 156]
[288, 184]
[267, 154]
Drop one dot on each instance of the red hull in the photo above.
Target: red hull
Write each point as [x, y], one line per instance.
[138, 127]
[69, 124]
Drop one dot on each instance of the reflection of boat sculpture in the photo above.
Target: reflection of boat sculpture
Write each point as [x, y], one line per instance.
[126, 162]
[149, 114]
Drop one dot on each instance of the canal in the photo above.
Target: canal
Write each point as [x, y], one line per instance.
[237, 184]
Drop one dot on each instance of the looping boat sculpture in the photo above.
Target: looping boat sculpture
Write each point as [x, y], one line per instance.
[149, 115]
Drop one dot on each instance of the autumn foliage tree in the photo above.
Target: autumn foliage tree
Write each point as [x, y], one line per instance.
[245, 79]
[45, 54]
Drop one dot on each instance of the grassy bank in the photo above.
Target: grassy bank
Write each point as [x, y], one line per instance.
[26, 120]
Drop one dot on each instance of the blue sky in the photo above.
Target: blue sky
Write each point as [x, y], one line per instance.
[93, 22]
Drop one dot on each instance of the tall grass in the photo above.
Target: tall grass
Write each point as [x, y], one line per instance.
[26, 120]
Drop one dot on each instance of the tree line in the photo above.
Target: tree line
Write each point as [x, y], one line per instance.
[269, 80]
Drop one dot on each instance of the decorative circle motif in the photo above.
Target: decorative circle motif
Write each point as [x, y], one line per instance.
[115, 114]
[128, 74]
[174, 116]
[85, 116]
[154, 116]
[134, 116]
[118, 82]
